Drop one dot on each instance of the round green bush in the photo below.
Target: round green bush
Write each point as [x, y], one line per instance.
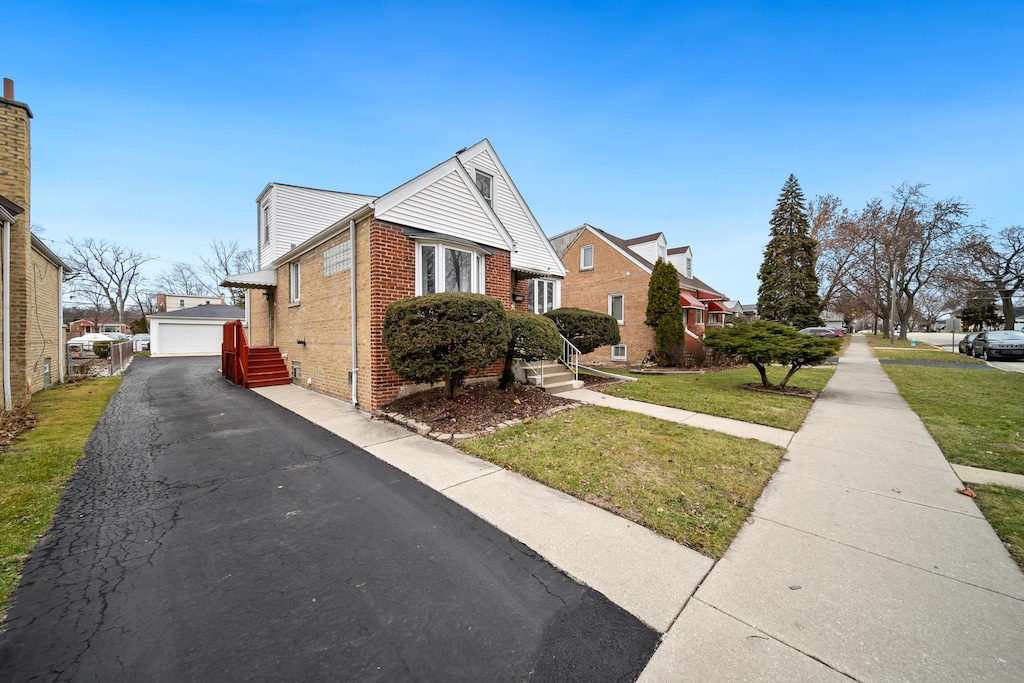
[534, 337]
[587, 330]
[445, 336]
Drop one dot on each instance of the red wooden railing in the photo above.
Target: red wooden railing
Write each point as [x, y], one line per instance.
[234, 352]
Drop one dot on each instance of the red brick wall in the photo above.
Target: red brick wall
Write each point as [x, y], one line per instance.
[392, 277]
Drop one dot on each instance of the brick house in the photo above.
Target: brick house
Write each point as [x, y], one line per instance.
[611, 275]
[331, 262]
[77, 328]
[32, 275]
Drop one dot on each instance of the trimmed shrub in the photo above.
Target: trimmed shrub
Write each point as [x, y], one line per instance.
[101, 349]
[670, 339]
[587, 330]
[445, 336]
[534, 337]
[763, 342]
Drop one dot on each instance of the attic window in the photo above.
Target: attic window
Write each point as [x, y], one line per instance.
[484, 183]
[266, 222]
[662, 252]
[587, 257]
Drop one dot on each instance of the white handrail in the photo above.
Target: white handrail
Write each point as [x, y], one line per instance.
[570, 357]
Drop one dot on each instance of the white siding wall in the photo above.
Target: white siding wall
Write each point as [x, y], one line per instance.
[446, 206]
[531, 254]
[298, 213]
[649, 250]
[679, 261]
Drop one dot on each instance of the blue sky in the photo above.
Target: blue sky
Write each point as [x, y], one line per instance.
[157, 124]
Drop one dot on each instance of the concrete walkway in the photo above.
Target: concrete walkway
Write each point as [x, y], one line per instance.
[860, 562]
[746, 430]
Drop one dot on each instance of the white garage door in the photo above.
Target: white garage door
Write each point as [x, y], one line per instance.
[186, 339]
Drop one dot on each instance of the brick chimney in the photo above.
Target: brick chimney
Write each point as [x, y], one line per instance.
[8, 89]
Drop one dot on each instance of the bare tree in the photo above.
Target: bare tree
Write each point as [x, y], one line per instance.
[912, 244]
[185, 278]
[105, 271]
[1002, 263]
[227, 258]
[839, 237]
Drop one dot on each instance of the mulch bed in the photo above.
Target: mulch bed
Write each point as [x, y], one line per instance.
[476, 407]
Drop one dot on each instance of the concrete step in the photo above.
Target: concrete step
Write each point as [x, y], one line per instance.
[559, 387]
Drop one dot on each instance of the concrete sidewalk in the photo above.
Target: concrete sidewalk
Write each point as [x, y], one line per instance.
[862, 561]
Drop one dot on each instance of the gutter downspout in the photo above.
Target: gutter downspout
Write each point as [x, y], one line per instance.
[7, 314]
[352, 305]
[63, 352]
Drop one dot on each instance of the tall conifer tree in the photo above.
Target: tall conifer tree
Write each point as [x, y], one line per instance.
[789, 287]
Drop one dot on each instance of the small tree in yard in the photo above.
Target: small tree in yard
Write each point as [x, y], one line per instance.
[445, 336]
[664, 309]
[762, 343]
[587, 330]
[670, 339]
[534, 337]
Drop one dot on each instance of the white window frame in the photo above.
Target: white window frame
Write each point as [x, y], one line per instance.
[294, 282]
[266, 223]
[662, 252]
[700, 316]
[584, 250]
[478, 267]
[535, 289]
[476, 179]
[619, 295]
[621, 356]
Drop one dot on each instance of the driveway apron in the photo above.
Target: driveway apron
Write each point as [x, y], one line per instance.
[211, 535]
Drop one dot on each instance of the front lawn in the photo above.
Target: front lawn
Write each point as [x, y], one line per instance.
[722, 394]
[975, 416]
[1004, 509]
[37, 465]
[690, 485]
[926, 354]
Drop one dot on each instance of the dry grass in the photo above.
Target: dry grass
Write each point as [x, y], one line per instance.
[692, 486]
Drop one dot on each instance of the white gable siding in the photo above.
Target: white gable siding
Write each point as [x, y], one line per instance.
[298, 213]
[531, 252]
[649, 250]
[449, 207]
[680, 261]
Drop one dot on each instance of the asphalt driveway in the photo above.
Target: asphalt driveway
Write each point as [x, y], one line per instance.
[211, 535]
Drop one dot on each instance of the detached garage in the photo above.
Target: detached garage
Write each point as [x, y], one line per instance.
[196, 331]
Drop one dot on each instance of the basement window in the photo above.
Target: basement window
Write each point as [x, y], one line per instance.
[296, 372]
[619, 352]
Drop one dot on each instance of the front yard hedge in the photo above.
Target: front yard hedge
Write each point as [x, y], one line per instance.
[445, 336]
[587, 330]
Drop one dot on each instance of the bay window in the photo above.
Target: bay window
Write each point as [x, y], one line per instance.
[442, 267]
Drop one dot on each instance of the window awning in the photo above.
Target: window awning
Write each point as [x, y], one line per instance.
[717, 307]
[261, 279]
[690, 301]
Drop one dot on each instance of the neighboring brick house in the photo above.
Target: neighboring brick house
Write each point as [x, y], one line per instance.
[171, 302]
[32, 276]
[331, 262]
[608, 274]
[77, 328]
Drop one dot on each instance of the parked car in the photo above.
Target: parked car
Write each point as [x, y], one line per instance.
[999, 345]
[827, 332]
[967, 343]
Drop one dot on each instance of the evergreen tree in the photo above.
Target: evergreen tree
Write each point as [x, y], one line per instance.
[663, 293]
[789, 287]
